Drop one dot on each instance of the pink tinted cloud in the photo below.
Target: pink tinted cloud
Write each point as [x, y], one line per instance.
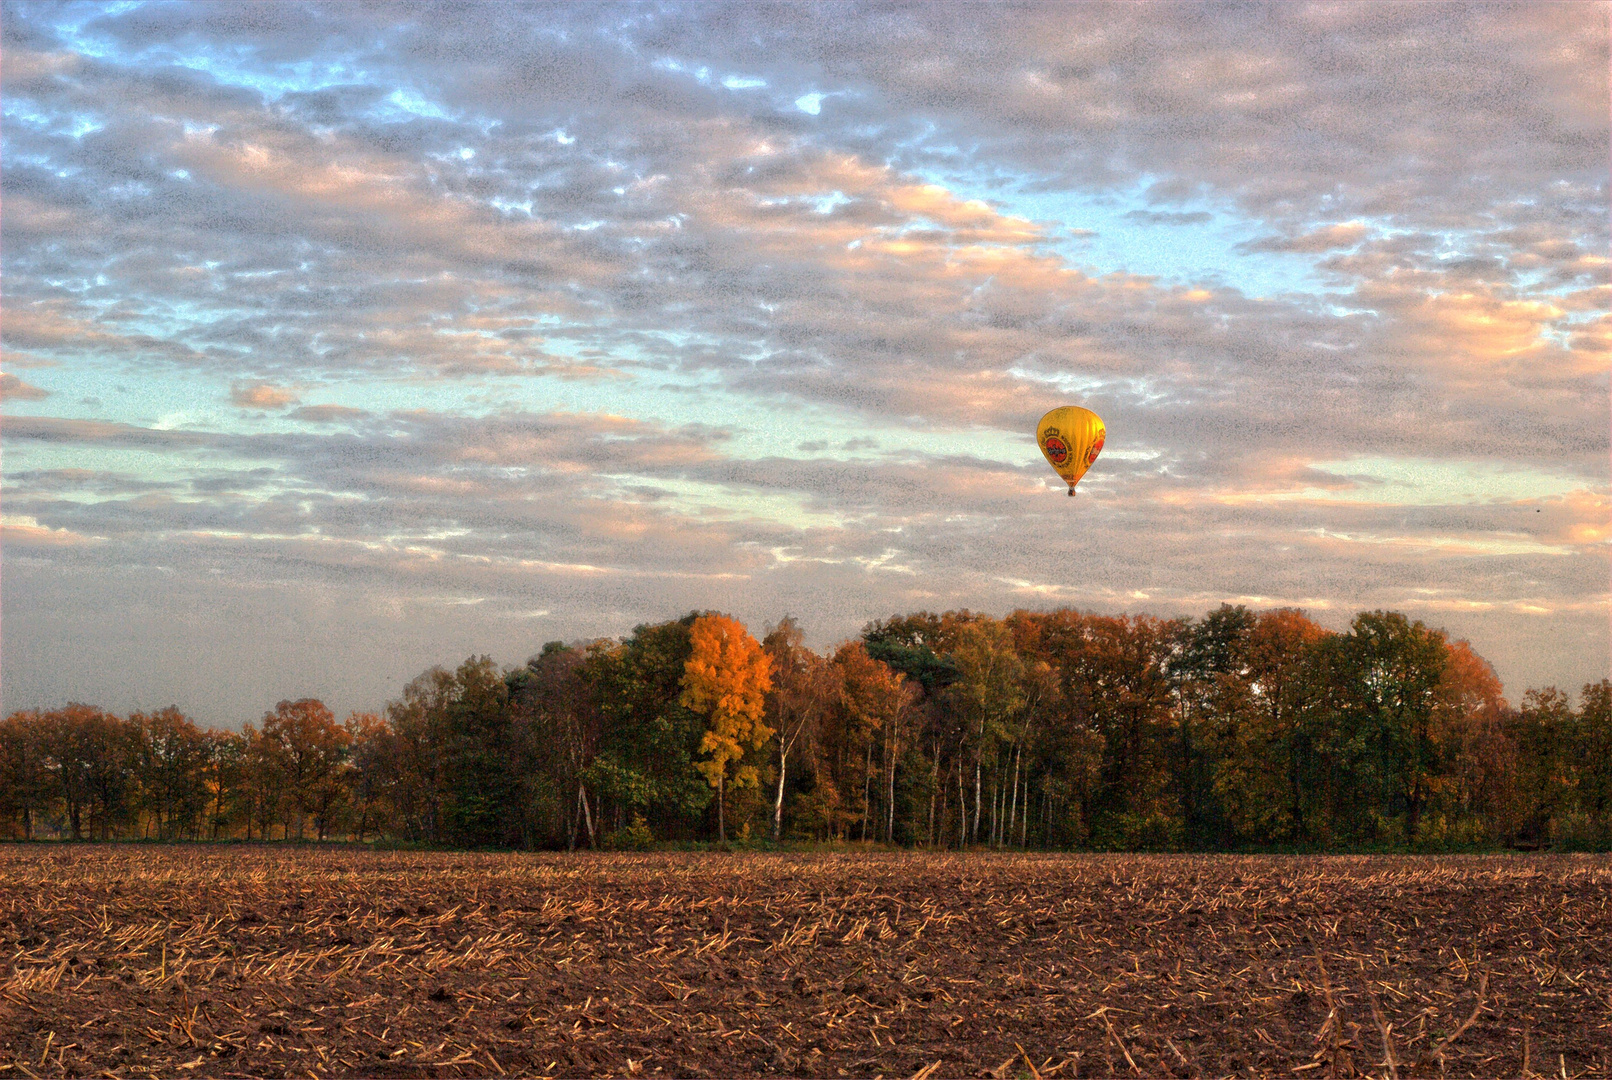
[14, 389]
[261, 396]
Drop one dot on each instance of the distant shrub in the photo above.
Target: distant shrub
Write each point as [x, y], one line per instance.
[633, 837]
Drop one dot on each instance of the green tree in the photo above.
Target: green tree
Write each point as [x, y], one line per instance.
[557, 736]
[1594, 755]
[416, 756]
[988, 696]
[453, 767]
[1546, 788]
[915, 646]
[483, 788]
[648, 739]
[1388, 671]
[1264, 718]
[1211, 673]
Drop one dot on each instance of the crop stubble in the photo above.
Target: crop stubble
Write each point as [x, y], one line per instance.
[128, 960]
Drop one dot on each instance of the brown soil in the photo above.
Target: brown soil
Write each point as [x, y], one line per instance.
[212, 961]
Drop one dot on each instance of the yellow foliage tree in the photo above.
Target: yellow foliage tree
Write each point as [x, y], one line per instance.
[726, 678]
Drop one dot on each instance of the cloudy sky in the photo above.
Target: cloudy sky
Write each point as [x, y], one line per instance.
[342, 340]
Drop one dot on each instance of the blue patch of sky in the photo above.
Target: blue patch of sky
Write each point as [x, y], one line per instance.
[21, 110]
[73, 125]
[239, 66]
[71, 19]
[274, 82]
[407, 104]
[234, 67]
[83, 388]
[40, 161]
[174, 466]
[703, 74]
[1431, 482]
[826, 204]
[1122, 232]
[86, 388]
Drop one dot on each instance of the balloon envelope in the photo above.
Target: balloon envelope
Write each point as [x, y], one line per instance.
[1071, 438]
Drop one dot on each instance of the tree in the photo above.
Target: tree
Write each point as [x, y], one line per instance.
[310, 751]
[263, 782]
[557, 734]
[227, 780]
[1211, 662]
[988, 696]
[453, 764]
[480, 766]
[914, 646]
[371, 757]
[1546, 780]
[1066, 749]
[801, 694]
[648, 739]
[416, 754]
[869, 706]
[1387, 672]
[169, 765]
[88, 750]
[26, 786]
[726, 678]
[1041, 698]
[1482, 760]
[1058, 728]
[1262, 717]
[1114, 674]
[1594, 754]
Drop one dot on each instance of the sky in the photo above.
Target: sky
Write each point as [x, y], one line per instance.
[343, 340]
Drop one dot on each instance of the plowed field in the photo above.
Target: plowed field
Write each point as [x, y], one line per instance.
[223, 961]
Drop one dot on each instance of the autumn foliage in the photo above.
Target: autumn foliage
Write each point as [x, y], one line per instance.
[726, 679]
[1054, 729]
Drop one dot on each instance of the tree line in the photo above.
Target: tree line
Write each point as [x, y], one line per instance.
[1058, 729]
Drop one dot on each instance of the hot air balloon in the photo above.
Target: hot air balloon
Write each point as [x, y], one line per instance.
[1071, 438]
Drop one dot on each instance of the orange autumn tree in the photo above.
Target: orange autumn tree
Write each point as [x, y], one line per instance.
[726, 679]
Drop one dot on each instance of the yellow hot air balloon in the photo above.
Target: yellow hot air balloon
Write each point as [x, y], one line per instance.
[1071, 438]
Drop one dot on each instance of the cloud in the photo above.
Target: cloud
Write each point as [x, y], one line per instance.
[261, 396]
[613, 339]
[1169, 217]
[1342, 235]
[22, 531]
[328, 414]
[14, 389]
[51, 429]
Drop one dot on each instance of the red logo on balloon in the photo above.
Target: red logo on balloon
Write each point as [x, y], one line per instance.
[1096, 448]
[1057, 450]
